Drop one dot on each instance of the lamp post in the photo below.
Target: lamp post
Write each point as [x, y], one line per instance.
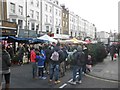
[114, 35]
[27, 16]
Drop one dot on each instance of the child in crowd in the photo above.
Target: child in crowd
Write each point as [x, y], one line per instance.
[40, 57]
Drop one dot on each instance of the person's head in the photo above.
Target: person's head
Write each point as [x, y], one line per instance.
[79, 48]
[58, 44]
[32, 48]
[8, 46]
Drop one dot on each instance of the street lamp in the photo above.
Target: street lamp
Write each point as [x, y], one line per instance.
[27, 23]
[27, 16]
[114, 35]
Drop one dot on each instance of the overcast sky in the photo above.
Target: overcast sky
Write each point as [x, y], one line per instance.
[102, 13]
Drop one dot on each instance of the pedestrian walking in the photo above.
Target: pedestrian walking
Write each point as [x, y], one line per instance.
[40, 57]
[20, 52]
[112, 51]
[77, 65]
[6, 63]
[10, 50]
[85, 50]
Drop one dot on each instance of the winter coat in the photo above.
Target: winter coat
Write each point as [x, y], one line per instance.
[48, 54]
[112, 50]
[6, 60]
[40, 59]
[85, 50]
[79, 57]
[56, 48]
[33, 56]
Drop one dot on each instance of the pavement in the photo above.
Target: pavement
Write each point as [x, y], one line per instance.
[106, 70]
[21, 77]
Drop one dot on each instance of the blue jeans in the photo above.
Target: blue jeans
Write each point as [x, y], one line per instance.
[34, 69]
[75, 70]
[54, 70]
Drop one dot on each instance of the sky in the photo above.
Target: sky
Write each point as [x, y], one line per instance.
[102, 13]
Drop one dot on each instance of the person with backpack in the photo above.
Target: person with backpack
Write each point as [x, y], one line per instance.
[77, 65]
[55, 64]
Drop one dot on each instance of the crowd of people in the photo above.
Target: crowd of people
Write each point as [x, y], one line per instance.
[52, 59]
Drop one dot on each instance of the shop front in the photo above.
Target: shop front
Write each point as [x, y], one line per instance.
[8, 29]
[27, 33]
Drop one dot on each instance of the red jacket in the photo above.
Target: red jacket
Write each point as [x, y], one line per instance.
[33, 56]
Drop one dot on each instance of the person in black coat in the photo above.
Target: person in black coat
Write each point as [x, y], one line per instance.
[6, 63]
[112, 51]
[85, 50]
[48, 52]
[10, 51]
[77, 65]
[55, 65]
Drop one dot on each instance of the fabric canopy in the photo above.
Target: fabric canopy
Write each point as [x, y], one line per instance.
[48, 38]
[74, 40]
[22, 40]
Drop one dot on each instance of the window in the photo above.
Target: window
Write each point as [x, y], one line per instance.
[12, 7]
[32, 2]
[37, 15]
[59, 13]
[66, 16]
[46, 7]
[46, 18]
[75, 34]
[14, 20]
[20, 23]
[59, 21]
[66, 24]
[20, 10]
[32, 13]
[37, 3]
[56, 21]
[70, 18]
[56, 11]
[50, 9]
[32, 26]
[47, 28]
[63, 23]
[63, 14]
[50, 19]
[57, 31]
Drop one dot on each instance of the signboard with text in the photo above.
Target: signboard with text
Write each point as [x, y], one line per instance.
[8, 28]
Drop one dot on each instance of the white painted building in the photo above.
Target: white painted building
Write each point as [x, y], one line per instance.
[103, 36]
[88, 29]
[16, 12]
[26, 13]
[43, 16]
[33, 10]
[91, 30]
[51, 16]
[73, 24]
